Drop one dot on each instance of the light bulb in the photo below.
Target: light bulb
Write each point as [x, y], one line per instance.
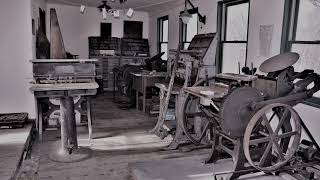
[130, 12]
[104, 13]
[116, 13]
[82, 9]
[185, 16]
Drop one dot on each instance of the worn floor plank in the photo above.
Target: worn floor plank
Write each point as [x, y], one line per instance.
[12, 143]
[120, 137]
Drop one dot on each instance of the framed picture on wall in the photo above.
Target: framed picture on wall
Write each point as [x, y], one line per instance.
[133, 29]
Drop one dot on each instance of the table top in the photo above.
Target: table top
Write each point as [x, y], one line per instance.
[237, 77]
[214, 91]
[62, 60]
[63, 86]
[150, 74]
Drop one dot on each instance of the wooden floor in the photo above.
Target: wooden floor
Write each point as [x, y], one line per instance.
[12, 144]
[120, 137]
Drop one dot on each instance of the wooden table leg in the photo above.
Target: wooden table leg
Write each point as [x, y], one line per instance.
[144, 101]
[67, 150]
[178, 138]
[144, 89]
[68, 123]
[137, 100]
[40, 121]
[89, 117]
[36, 113]
[37, 116]
[114, 87]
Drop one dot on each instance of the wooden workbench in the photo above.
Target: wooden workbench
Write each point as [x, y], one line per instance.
[143, 80]
[60, 90]
[214, 91]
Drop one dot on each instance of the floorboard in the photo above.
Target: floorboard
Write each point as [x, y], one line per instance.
[12, 144]
[120, 137]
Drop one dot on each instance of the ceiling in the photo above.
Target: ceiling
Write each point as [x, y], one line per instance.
[140, 5]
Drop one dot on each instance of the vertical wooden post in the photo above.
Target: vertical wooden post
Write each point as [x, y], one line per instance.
[137, 99]
[68, 124]
[40, 120]
[144, 93]
[89, 117]
[67, 150]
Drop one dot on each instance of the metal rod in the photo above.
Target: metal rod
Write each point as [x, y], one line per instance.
[286, 168]
[201, 18]
[286, 99]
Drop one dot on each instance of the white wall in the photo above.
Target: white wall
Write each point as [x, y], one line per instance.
[15, 53]
[76, 27]
[264, 13]
[206, 7]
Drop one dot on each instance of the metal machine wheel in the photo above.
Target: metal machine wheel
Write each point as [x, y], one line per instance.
[194, 124]
[234, 112]
[277, 146]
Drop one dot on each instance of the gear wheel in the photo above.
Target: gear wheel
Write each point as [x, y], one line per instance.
[235, 113]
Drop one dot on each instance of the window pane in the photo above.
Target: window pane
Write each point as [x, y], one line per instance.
[233, 53]
[309, 56]
[237, 22]
[164, 48]
[192, 27]
[165, 31]
[308, 26]
[186, 45]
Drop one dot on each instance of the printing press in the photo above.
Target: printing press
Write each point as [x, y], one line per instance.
[251, 118]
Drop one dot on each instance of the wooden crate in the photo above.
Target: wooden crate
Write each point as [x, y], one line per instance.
[13, 119]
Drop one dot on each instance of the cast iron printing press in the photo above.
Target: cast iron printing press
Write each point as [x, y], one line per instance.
[251, 118]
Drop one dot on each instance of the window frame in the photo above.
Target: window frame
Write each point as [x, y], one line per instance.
[222, 29]
[289, 29]
[160, 32]
[290, 25]
[183, 27]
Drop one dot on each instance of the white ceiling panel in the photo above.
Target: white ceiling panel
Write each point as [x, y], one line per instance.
[140, 5]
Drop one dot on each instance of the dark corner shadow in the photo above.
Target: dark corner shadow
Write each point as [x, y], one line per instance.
[98, 152]
[108, 135]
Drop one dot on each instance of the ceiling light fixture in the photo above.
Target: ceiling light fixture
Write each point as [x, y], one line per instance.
[104, 13]
[82, 8]
[315, 2]
[104, 8]
[116, 13]
[186, 16]
[130, 12]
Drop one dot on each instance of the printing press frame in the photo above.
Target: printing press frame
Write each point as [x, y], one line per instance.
[246, 105]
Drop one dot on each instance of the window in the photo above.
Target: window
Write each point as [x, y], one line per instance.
[188, 31]
[233, 26]
[301, 34]
[163, 36]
